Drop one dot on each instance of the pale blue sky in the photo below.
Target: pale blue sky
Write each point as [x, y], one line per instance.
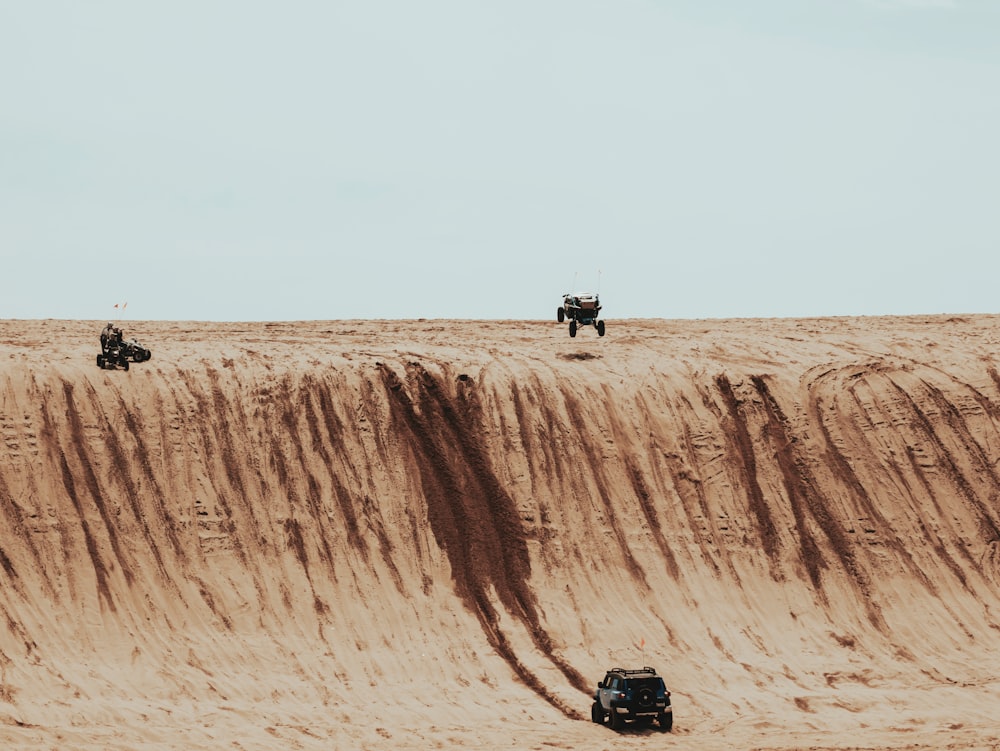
[231, 160]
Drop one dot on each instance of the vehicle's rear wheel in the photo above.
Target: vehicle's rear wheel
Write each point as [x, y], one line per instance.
[600, 328]
[597, 713]
[560, 315]
[666, 720]
[572, 328]
[617, 723]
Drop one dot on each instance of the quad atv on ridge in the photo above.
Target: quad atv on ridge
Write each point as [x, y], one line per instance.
[113, 356]
[115, 352]
[582, 309]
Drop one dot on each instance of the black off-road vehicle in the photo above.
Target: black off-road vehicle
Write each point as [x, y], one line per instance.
[632, 696]
[116, 352]
[582, 309]
[112, 358]
[112, 353]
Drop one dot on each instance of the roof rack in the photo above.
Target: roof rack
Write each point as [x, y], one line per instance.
[623, 671]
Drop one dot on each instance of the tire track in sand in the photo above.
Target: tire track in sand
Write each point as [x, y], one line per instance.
[473, 518]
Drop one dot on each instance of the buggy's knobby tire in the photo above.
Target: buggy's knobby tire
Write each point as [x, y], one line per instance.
[100, 361]
[572, 328]
[597, 713]
[560, 315]
[600, 328]
[666, 720]
[124, 364]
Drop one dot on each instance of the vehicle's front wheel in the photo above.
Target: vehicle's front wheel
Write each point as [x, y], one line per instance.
[572, 328]
[597, 713]
[600, 328]
[560, 315]
[100, 361]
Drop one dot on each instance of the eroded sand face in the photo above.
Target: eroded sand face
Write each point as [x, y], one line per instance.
[434, 534]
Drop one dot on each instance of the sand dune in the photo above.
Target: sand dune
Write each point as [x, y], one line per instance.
[439, 534]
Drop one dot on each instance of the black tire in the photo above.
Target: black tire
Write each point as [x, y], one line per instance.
[597, 713]
[666, 720]
[560, 315]
[616, 721]
[645, 698]
[100, 361]
[124, 364]
[600, 328]
[572, 328]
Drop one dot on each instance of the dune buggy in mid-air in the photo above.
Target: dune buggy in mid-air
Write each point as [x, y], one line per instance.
[582, 309]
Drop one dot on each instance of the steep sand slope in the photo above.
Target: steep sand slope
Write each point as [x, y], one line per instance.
[428, 534]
